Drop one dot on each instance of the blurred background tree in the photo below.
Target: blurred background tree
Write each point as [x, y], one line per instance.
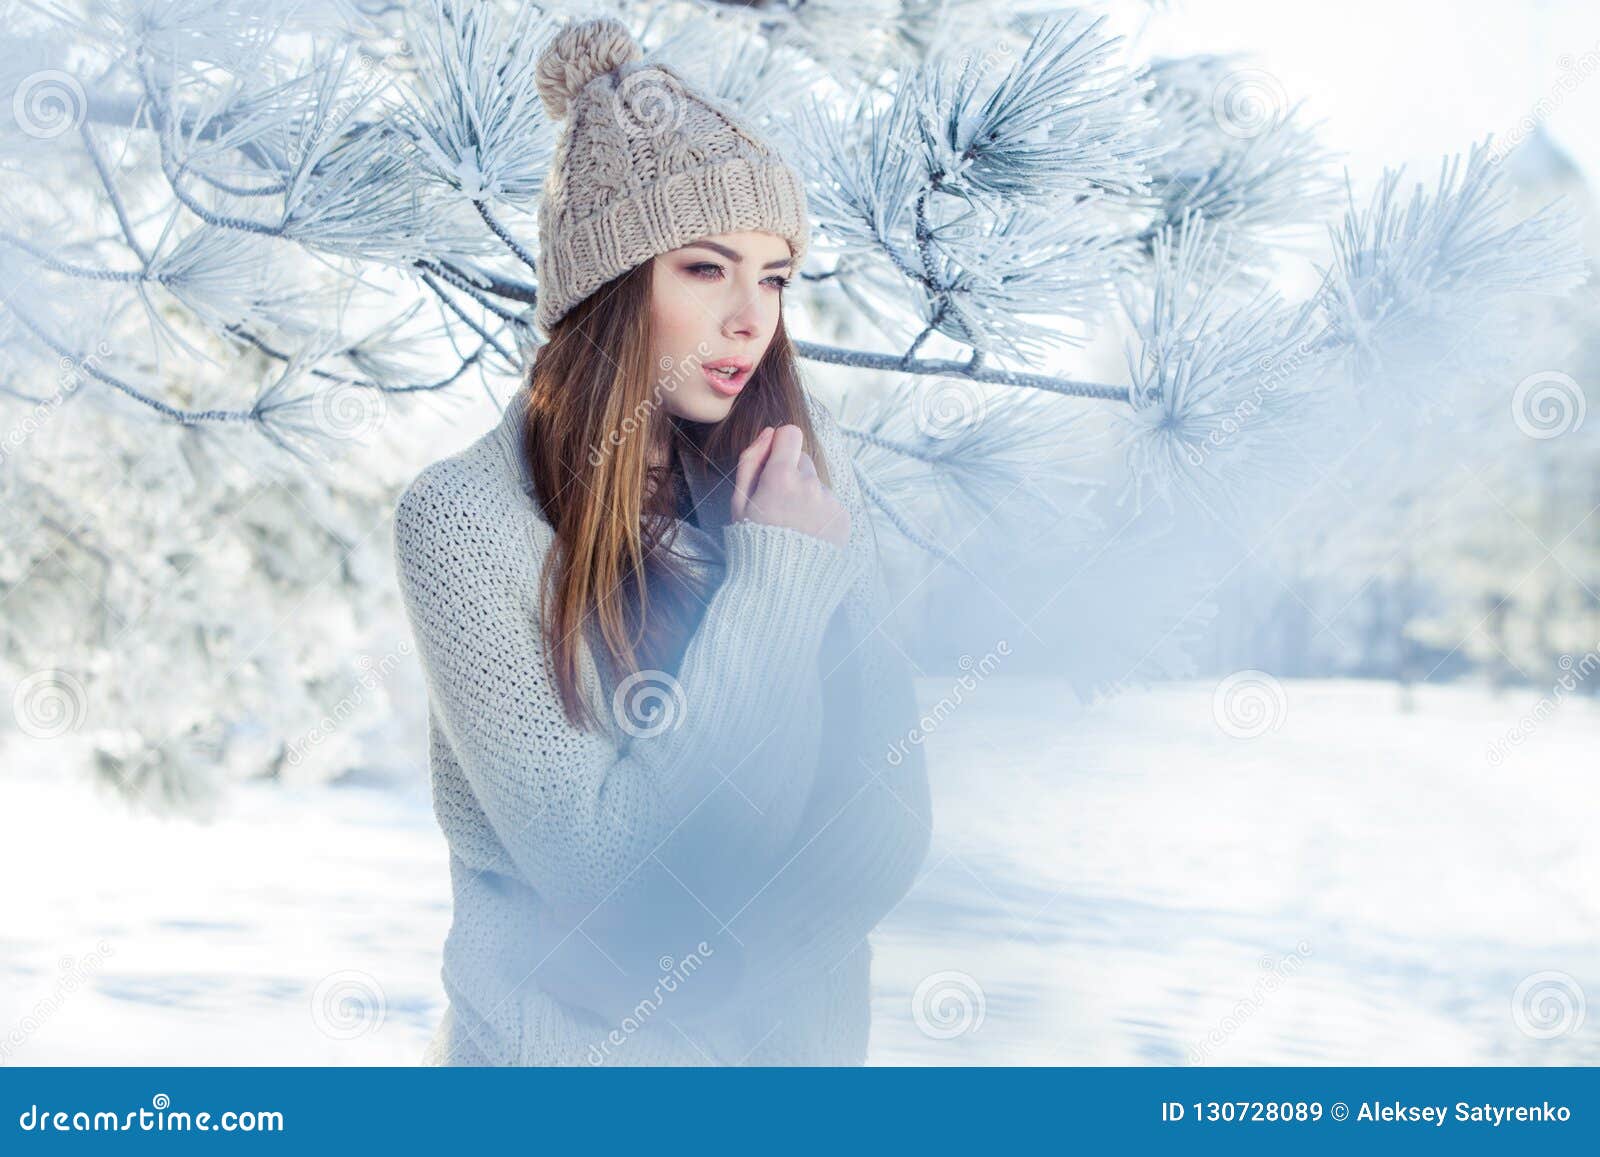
[1100, 332]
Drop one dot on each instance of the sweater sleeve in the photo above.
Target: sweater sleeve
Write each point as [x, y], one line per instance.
[869, 825]
[855, 853]
[578, 817]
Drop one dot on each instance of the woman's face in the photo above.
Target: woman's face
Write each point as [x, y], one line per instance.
[714, 303]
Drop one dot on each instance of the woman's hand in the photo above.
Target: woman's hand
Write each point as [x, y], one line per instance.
[776, 482]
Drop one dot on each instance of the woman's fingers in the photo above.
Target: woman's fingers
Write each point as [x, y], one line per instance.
[777, 482]
[748, 470]
[789, 491]
[786, 448]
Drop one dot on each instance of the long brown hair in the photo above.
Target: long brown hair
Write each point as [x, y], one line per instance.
[594, 411]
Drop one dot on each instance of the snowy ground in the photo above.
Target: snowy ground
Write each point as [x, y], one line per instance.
[1128, 885]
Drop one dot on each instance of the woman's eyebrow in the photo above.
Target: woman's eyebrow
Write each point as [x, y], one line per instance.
[734, 256]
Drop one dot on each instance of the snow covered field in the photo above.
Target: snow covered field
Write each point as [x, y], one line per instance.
[1128, 885]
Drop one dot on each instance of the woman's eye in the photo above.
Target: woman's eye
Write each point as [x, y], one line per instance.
[711, 271]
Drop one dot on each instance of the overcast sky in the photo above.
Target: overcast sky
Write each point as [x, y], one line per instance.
[1401, 80]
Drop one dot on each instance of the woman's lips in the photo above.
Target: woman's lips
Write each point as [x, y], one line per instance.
[726, 386]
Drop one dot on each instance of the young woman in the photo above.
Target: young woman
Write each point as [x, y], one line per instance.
[667, 734]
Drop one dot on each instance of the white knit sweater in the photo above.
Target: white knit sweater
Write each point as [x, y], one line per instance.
[699, 893]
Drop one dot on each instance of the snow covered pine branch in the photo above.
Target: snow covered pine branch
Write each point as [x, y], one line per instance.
[246, 214]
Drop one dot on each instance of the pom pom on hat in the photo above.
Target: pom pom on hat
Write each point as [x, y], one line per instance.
[579, 53]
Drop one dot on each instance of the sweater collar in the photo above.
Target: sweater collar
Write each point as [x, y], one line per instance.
[711, 492]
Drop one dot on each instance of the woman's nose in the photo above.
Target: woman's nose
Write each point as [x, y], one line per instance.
[743, 321]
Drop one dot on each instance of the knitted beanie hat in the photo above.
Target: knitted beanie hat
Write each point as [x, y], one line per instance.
[644, 164]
